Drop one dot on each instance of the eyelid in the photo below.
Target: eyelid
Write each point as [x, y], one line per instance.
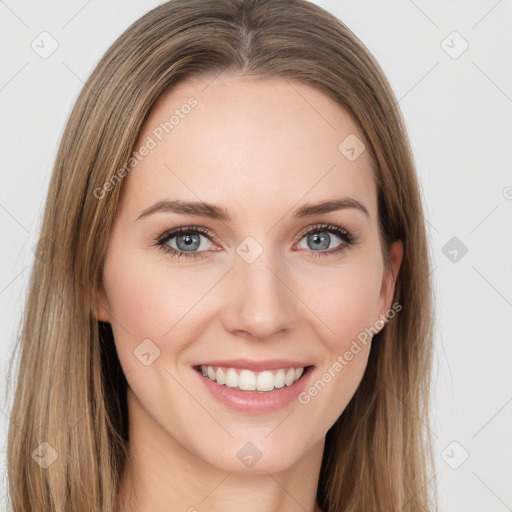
[338, 230]
[171, 232]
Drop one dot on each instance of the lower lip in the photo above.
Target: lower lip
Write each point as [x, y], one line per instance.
[256, 401]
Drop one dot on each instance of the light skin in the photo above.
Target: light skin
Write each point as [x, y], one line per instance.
[260, 149]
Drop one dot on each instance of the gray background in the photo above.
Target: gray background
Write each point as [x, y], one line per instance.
[457, 107]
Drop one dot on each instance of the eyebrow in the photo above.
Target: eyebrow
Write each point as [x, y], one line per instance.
[200, 208]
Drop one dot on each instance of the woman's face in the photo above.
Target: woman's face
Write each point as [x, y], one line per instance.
[269, 285]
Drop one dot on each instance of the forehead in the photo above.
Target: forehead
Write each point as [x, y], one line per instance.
[251, 145]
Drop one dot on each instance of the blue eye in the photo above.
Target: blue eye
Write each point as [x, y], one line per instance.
[319, 237]
[188, 241]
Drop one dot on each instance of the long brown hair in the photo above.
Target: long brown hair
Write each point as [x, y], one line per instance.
[70, 389]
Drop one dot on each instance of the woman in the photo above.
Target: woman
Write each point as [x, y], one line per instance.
[231, 307]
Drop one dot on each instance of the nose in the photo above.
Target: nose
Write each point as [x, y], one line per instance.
[261, 303]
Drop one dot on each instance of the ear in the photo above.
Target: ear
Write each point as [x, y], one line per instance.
[101, 307]
[390, 276]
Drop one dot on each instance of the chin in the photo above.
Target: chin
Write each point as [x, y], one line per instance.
[257, 454]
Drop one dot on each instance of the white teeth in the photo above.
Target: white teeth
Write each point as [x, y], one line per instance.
[265, 381]
[248, 380]
[290, 376]
[231, 378]
[279, 379]
[221, 377]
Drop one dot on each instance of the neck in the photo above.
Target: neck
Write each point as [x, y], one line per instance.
[162, 475]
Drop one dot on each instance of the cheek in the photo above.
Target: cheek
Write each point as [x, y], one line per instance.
[345, 298]
[145, 300]
[347, 306]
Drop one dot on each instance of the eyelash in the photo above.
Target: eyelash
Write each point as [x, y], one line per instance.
[348, 240]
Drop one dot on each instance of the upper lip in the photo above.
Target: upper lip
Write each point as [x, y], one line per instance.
[248, 364]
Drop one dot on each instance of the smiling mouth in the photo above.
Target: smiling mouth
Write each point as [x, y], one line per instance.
[247, 380]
